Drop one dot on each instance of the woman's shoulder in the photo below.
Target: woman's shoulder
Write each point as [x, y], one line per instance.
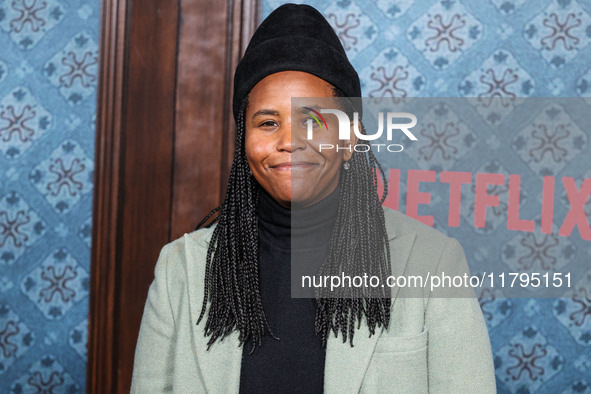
[181, 265]
[428, 247]
[195, 239]
[180, 255]
[399, 225]
[200, 237]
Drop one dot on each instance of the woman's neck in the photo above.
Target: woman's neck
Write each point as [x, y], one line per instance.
[298, 227]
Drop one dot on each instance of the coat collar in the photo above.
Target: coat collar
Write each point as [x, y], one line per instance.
[345, 366]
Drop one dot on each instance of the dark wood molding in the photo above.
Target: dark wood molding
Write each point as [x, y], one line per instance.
[133, 178]
[107, 190]
[148, 160]
[164, 146]
[205, 127]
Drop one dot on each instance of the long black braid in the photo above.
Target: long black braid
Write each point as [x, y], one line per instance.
[359, 242]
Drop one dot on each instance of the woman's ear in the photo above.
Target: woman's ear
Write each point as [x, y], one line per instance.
[350, 143]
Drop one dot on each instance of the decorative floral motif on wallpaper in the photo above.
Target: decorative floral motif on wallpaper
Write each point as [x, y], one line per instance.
[48, 81]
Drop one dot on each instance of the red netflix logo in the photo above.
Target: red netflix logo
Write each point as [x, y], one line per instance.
[577, 197]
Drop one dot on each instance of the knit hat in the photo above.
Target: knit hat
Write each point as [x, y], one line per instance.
[297, 38]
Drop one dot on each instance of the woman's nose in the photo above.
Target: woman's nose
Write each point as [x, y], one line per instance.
[289, 139]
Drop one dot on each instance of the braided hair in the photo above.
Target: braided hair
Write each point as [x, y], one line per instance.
[232, 299]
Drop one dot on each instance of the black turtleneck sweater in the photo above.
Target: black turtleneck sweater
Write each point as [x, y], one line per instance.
[295, 362]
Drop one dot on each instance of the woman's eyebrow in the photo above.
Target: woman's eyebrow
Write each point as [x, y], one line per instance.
[265, 112]
[304, 110]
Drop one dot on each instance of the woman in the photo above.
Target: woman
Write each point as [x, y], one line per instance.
[219, 315]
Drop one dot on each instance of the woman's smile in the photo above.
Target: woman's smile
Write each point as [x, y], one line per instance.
[296, 166]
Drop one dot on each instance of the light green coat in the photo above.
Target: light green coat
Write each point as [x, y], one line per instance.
[436, 345]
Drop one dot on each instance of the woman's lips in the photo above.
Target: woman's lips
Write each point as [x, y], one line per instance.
[295, 165]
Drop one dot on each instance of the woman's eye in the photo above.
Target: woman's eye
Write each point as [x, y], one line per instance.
[310, 120]
[268, 123]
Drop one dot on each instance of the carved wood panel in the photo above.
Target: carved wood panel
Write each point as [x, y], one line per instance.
[163, 149]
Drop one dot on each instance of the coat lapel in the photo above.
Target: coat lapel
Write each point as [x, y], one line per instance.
[345, 366]
[220, 366]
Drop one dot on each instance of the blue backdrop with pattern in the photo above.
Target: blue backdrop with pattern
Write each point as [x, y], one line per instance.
[48, 79]
[522, 48]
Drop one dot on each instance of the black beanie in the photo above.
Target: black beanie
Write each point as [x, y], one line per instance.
[297, 38]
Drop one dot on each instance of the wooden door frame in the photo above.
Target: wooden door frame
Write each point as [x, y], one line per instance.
[125, 242]
[107, 189]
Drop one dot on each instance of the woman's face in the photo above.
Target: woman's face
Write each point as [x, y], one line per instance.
[291, 168]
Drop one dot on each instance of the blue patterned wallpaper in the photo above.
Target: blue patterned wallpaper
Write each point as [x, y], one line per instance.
[507, 48]
[48, 81]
